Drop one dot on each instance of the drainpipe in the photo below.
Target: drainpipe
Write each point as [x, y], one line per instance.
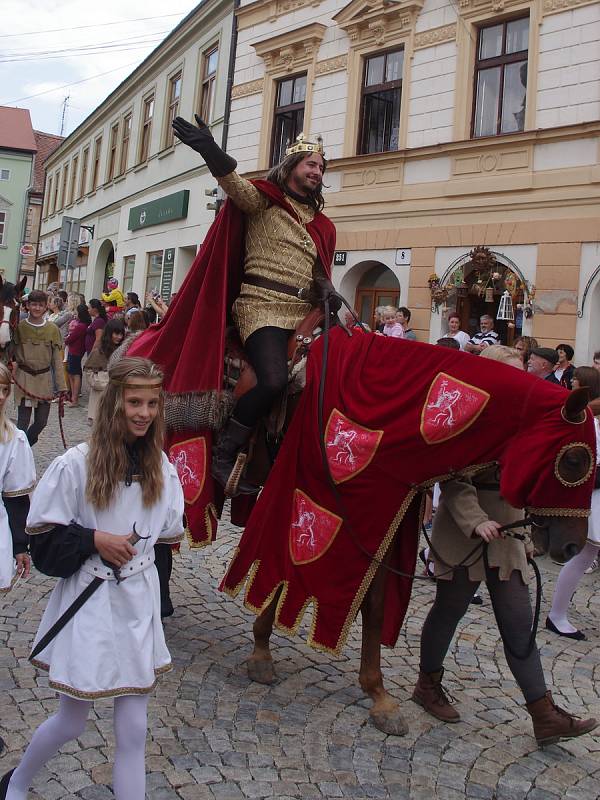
[24, 223]
[230, 74]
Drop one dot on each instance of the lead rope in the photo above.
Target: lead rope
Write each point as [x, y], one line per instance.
[480, 546]
[42, 399]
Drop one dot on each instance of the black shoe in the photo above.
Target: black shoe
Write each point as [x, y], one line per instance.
[4, 784]
[477, 600]
[577, 635]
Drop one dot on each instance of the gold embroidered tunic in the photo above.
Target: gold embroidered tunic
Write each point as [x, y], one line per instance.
[278, 247]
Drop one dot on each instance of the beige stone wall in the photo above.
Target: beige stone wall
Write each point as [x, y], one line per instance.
[557, 272]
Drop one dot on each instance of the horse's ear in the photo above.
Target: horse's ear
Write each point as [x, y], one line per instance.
[576, 404]
[22, 284]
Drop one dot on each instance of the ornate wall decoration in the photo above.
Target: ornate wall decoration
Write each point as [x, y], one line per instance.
[246, 89]
[555, 6]
[377, 21]
[446, 33]
[336, 64]
[292, 50]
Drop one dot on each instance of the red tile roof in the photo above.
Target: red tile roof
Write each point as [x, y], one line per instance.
[46, 145]
[16, 132]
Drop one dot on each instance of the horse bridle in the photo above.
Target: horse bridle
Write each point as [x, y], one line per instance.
[481, 546]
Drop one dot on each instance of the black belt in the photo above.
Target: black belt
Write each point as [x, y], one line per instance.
[30, 371]
[487, 487]
[275, 286]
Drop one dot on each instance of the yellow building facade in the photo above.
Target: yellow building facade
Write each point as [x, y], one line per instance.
[456, 132]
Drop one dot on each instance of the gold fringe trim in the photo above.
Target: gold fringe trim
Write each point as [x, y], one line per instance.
[356, 603]
[171, 539]
[19, 492]
[118, 692]
[40, 529]
[211, 518]
[560, 512]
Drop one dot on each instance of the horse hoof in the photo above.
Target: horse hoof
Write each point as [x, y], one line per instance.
[390, 722]
[261, 671]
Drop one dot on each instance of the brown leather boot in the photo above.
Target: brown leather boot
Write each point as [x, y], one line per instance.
[430, 694]
[552, 724]
[230, 443]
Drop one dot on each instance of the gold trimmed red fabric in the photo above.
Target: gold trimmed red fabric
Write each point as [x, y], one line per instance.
[312, 530]
[189, 459]
[350, 447]
[451, 406]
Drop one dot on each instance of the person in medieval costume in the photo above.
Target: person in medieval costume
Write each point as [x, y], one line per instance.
[112, 644]
[472, 508]
[287, 255]
[17, 479]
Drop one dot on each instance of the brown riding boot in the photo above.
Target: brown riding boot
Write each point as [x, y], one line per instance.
[430, 694]
[230, 443]
[552, 724]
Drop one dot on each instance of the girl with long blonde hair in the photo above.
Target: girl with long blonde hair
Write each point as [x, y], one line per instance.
[113, 645]
[17, 479]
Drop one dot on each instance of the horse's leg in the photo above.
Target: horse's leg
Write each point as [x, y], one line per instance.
[385, 711]
[260, 663]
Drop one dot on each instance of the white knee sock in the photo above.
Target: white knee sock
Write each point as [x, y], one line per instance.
[566, 584]
[131, 727]
[68, 723]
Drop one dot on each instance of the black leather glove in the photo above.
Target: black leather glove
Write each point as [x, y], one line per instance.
[200, 139]
[322, 288]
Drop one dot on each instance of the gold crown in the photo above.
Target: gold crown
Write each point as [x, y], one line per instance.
[302, 146]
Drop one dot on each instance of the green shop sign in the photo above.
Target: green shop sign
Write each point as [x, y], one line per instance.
[155, 212]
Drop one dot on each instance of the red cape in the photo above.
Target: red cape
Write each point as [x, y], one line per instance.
[399, 416]
[189, 344]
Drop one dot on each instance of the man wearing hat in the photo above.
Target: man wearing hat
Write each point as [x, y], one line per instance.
[541, 363]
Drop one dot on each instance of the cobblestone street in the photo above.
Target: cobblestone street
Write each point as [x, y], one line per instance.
[213, 734]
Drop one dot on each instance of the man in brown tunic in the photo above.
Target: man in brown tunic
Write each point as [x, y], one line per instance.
[38, 366]
[472, 509]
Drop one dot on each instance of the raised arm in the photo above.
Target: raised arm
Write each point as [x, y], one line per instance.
[222, 166]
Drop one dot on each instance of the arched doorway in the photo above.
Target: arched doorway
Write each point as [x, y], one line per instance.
[105, 265]
[378, 287]
[476, 283]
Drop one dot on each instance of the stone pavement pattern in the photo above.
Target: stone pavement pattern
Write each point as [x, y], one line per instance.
[213, 734]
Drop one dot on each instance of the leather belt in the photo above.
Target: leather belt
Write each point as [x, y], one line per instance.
[30, 371]
[487, 487]
[275, 286]
[95, 567]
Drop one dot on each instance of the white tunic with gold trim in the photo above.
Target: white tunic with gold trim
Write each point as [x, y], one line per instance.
[115, 644]
[17, 477]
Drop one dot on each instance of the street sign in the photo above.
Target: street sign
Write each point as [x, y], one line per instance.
[69, 239]
[339, 258]
[166, 282]
[27, 250]
[155, 212]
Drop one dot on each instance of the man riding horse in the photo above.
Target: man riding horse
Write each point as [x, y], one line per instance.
[263, 265]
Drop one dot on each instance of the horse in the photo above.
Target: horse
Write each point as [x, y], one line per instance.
[10, 295]
[334, 532]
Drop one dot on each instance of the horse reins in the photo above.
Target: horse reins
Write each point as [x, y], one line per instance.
[481, 547]
[43, 399]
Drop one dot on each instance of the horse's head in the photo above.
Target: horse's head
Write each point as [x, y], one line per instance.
[11, 293]
[10, 296]
[549, 469]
